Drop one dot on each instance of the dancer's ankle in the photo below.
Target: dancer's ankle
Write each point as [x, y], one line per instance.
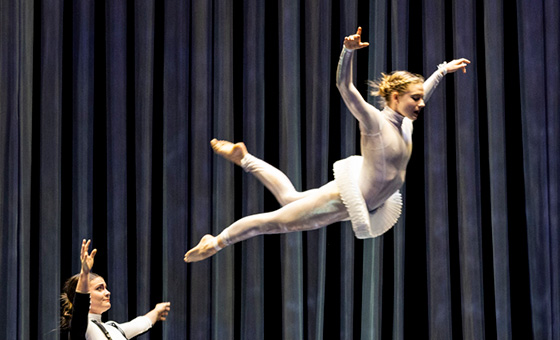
[216, 243]
[245, 162]
[222, 240]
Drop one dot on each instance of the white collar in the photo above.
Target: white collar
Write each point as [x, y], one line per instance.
[393, 116]
[92, 316]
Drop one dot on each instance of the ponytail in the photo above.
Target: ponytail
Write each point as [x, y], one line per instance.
[67, 300]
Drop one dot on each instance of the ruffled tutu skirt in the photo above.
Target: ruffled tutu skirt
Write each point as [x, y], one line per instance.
[366, 224]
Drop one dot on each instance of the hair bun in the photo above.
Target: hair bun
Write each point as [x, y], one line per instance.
[395, 81]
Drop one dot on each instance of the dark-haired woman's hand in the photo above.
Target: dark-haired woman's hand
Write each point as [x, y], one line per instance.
[86, 260]
[159, 313]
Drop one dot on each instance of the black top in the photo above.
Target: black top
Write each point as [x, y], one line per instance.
[79, 322]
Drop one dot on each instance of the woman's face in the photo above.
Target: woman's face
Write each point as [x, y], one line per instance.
[411, 102]
[99, 295]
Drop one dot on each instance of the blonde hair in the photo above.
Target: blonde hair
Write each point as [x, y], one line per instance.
[395, 81]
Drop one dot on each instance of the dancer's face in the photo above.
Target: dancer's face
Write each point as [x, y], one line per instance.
[100, 296]
[410, 102]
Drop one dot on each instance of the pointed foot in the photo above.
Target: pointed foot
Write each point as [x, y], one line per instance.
[228, 150]
[204, 249]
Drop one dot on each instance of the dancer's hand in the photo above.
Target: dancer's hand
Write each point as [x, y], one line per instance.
[160, 312]
[457, 64]
[85, 258]
[354, 42]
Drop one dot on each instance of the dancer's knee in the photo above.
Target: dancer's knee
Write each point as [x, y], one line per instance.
[294, 195]
[289, 197]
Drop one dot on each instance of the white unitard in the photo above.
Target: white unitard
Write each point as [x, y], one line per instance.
[386, 145]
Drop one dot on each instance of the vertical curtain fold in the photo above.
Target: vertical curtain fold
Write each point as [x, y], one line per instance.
[290, 156]
[117, 149]
[436, 181]
[495, 104]
[82, 129]
[316, 139]
[200, 89]
[25, 52]
[50, 108]
[399, 34]
[468, 174]
[552, 55]
[223, 184]
[143, 135]
[10, 61]
[532, 69]
[176, 186]
[252, 272]
[399, 54]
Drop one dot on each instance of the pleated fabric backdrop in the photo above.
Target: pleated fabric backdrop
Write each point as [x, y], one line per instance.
[107, 108]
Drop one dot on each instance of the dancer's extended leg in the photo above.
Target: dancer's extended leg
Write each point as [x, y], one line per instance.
[273, 179]
[316, 210]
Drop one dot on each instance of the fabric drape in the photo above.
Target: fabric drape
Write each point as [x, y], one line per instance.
[106, 113]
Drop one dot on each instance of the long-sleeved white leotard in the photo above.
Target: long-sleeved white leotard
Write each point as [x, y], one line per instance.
[131, 329]
[368, 184]
[386, 145]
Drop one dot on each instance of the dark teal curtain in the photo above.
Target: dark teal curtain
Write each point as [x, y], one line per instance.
[106, 113]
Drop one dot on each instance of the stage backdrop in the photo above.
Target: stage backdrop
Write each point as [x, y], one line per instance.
[106, 113]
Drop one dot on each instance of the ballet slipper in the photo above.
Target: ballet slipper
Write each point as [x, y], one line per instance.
[207, 247]
[228, 150]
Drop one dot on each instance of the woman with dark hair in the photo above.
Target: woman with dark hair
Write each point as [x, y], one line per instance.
[85, 297]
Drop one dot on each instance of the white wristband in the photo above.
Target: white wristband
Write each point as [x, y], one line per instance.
[442, 67]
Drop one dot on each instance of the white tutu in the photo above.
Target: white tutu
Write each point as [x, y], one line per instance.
[366, 224]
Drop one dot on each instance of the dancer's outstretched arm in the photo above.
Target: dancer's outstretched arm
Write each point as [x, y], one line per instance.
[365, 113]
[453, 66]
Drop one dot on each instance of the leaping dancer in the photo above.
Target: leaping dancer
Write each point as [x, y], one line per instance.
[366, 188]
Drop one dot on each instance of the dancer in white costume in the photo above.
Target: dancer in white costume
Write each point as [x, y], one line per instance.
[365, 189]
[85, 297]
